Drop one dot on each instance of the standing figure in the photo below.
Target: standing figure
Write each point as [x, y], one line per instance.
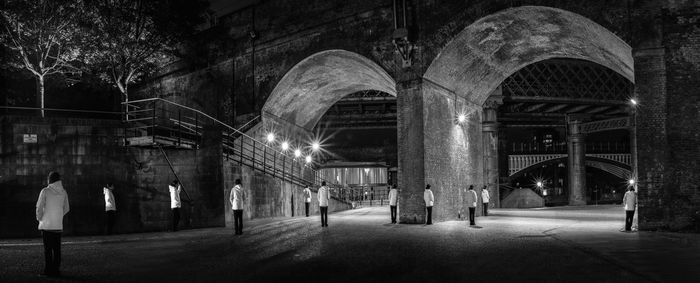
[110, 207]
[393, 199]
[323, 197]
[429, 199]
[51, 206]
[630, 202]
[485, 197]
[307, 200]
[175, 203]
[237, 197]
[471, 203]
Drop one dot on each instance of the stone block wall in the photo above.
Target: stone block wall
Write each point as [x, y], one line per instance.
[88, 154]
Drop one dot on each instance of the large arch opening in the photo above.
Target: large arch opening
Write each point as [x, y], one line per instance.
[347, 103]
[468, 74]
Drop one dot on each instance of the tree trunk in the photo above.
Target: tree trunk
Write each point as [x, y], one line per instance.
[126, 107]
[40, 94]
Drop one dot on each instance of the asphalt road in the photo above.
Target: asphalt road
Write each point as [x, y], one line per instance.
[568, 244]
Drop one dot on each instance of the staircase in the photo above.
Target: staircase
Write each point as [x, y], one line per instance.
[156, 122]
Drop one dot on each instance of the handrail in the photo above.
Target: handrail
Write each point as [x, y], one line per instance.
[271, 150]
[61, 110]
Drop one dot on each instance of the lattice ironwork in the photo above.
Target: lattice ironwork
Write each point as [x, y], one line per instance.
[568, 78]
[606, 125]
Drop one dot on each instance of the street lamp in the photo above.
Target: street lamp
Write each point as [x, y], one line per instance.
[461, 118]
[270, 137]
[285, 146]
[308, 159]
[315, 146]
[297, 153]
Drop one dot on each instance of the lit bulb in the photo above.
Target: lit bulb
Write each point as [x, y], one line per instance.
[539, 184]
[297, 153]
[633, 101]
[270, 137]
[631, 181]
[308, 159]
[285, 146]
[315, 146]
[461, 118]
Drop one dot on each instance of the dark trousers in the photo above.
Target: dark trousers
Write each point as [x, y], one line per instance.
[238, 221]
[324, 216]
[472, 211]
[628, 219]
[392, 208]
[486, 209]
[176, 217]
[306, 206]
[111, 216]
[52, 252]
[429, 219]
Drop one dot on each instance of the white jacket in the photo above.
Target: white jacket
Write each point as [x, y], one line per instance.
[393, 196]
[237, 197]
[307, 195]
[471, 198]
[51, 206]
[323, 196]
[485, 197]
[630, 200]
[175, 196]
[110, 204]
[428, 197]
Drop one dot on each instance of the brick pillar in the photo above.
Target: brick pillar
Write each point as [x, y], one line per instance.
[489, 127]
[577, 161]
[411, 152]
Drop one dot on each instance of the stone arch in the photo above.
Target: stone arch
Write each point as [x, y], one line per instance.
[489, 50]
[313, 85]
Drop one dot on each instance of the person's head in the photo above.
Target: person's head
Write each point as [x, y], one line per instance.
[174, 183]
[238, 181]
[631, 189]
[471, 187]
[483, 188]
[427, 187]
[110, 186]
[54, 177]
[393, 186]
[323, 183]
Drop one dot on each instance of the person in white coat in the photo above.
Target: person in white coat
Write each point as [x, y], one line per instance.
[472, 198]
[51, 206]
[175, 203]
[429, 199]
[237, 197]
[630, 202]
[393, 200]
[110, 207]
[307, 200]
[323, 197]
[485, 198]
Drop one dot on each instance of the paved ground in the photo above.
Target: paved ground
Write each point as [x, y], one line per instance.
[567, 244]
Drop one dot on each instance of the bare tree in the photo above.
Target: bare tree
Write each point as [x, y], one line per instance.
[133, 37]
[44, 37]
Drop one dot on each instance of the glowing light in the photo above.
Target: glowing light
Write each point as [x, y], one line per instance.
[285, 146]
[270, 137]
[633, 101]
[308, 159]
[297, 152]
[539, 184]
[631, 182]
[461, 118]
[315, 146]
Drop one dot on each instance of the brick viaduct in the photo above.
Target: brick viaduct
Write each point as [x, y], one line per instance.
[291, 60]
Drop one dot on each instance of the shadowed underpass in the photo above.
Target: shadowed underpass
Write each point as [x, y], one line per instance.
[570, 244]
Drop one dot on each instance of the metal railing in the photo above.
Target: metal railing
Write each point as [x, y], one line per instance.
[561, 147]
[60, 112]
[156, 121]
